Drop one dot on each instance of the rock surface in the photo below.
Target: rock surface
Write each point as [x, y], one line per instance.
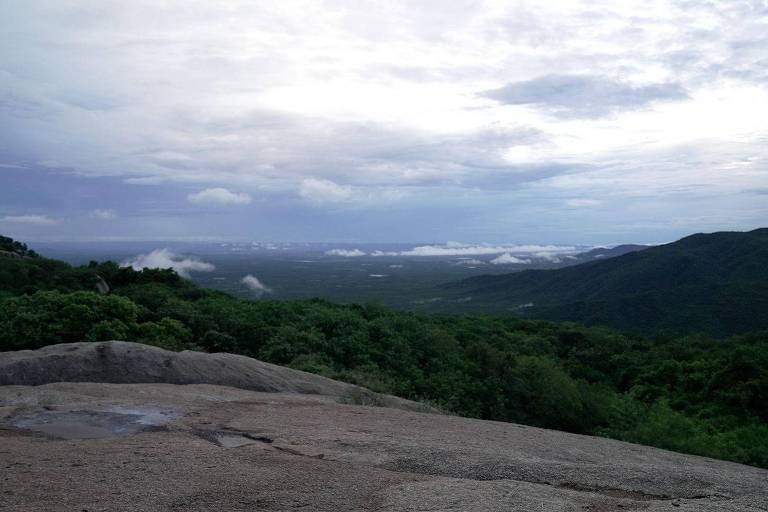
[199, 447]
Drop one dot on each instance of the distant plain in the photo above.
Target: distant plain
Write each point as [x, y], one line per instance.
[304, 271]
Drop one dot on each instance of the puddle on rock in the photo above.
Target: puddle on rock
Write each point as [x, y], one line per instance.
[88, 424]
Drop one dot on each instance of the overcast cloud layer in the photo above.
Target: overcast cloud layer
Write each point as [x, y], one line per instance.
[521, 122]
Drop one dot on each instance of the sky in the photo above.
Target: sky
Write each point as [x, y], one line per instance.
[383, 121]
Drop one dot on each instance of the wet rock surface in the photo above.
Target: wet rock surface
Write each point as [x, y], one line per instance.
[90, 424]
[204, 447]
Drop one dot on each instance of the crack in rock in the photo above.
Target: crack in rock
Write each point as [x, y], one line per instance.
[231, 438]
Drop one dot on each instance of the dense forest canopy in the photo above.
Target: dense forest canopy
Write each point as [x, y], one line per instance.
[694, 394]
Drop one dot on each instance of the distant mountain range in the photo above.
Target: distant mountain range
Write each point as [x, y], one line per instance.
[713, 283]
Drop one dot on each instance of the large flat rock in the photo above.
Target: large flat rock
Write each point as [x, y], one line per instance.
[164, 447]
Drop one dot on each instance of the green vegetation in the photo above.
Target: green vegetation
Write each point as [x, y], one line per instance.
[710, 283]
[693, 394]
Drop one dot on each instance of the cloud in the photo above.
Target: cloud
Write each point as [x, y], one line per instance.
[508, 259]
[102, 214]
[41, 220]
[219, 196]
[584, 95]
[579, 203]
[165, 258]
[614, 99]
[471, 261]
[549, 256]
[459, 249]
[346, 253]
[256, 286]
[324, 191]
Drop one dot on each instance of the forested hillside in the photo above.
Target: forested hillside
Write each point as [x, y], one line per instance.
[692, 393]
[709, 283]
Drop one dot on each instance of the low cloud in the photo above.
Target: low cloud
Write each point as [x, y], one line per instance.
[459, 249]
[256, 286]
[219, 196]
[40, 220]
[508, 259]
[471, 261]
[346, 253]
[325, 191]
[549, 256]
[102, 214]
[587, 96]
[165, 258]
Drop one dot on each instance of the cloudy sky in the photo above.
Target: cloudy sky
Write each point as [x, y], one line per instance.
[510, 121]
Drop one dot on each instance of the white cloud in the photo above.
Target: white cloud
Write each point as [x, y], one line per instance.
[508, 259]
[458, 249]
[219, 195]
[346, 253]
[256, 286]
[165, 258]
[324, 191]
[41, 220]
[102, 214]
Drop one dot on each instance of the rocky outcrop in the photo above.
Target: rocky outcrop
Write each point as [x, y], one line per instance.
[101, 285]
[9, 254]
[131, 363]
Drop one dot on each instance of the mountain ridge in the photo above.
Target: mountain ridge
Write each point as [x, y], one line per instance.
[718, 280]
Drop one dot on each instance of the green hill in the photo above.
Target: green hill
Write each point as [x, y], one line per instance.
[714, 283]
